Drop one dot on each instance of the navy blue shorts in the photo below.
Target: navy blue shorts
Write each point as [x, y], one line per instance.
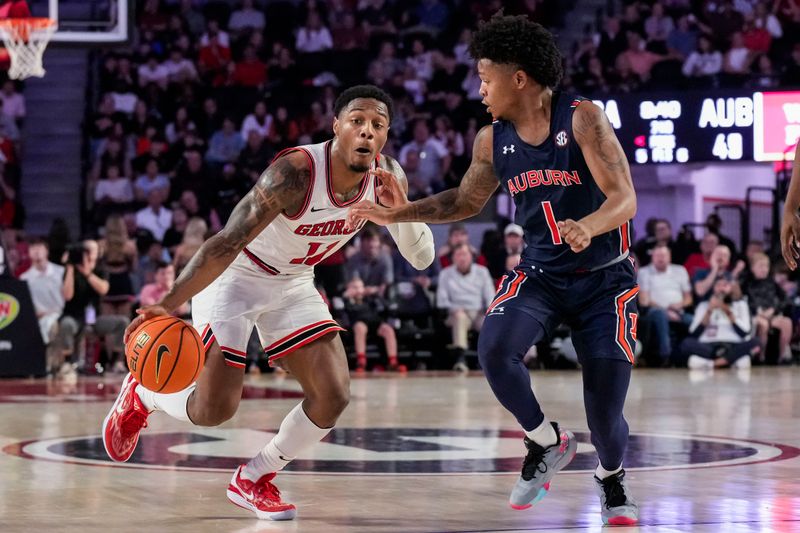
[599, 307]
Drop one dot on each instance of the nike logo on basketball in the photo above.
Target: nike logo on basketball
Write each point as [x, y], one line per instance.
[162, 350]
[314, 209]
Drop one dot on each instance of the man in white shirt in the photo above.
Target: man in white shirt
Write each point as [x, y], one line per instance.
[721, 331]
[246, 17]
[313, 37]
[666, 291]
[13, 102]
[46, 283]
[155, 217]
[465, 289]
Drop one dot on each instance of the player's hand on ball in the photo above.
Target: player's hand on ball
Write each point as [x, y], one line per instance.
[390, 192]
[371, 211]
[575, 234]
[145, 313]
[790, 240]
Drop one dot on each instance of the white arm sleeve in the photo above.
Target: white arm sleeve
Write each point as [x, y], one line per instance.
[415, 242]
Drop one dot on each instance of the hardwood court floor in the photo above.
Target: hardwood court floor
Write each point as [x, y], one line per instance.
[423, 453]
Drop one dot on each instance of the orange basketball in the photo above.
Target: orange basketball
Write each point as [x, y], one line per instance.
[165, 354]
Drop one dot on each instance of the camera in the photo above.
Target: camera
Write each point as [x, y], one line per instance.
[727, 299]
[75, 253]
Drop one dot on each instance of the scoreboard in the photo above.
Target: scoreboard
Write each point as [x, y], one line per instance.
[685, 127]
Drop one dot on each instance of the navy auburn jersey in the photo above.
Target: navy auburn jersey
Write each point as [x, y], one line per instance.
[552, 182]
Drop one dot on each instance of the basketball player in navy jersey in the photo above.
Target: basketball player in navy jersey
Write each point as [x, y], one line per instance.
[559, 159]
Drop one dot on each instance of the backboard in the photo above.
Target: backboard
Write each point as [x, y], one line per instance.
[86, 21]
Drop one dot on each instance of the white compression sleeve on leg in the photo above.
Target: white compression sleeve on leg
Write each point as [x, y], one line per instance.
[297, 432]
[175, 405]
[415, 242]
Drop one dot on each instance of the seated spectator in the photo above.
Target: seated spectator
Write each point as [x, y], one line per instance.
[657, 27]
[682, 40]
[756, 38]
[456, 235]
[636, 58]
[225, 145]
[193, 238]
[119, 259]
[700, 260]
[720, 267]
[246, 17]
[13, 102]
[704, 63]
[765, 76]
[250, 71]
[720, 331]
[153, 293]
[174, 235]
[313, 36]
[434, 158]
[153, 72]
[214, 56]
[259, 121]
[113, 192]
[84, 285]
[284, 132]
[659, 233]
[350, 35]
[366, 315]
[255, 157]
[155, 217]
[737, 60]
[767, 302]
[371, 264]
[46, 283]
[714, 225]
[465, 290]
[179, 69]
[666, 293]
[151, 181]
[413, 287]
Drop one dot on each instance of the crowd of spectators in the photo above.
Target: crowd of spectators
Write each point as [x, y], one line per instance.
[680, 44]
[188, 117]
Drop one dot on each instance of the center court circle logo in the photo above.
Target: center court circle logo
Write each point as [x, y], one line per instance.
[395, 451]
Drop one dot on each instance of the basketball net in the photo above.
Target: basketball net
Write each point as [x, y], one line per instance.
[25, 40]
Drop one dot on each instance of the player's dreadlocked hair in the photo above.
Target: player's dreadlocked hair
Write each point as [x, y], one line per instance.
[363, 91]
[517, 41]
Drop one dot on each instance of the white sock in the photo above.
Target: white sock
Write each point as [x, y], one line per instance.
[175, 405]
[544, 435]
[297, 432]
[602, 473]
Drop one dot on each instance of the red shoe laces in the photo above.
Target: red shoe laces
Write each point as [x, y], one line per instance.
[268, 490]
[133, 421]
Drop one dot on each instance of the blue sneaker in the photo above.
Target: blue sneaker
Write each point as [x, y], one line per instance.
[539, 467]
[617, 507]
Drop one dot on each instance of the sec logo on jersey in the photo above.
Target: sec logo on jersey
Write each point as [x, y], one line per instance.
[562, 139]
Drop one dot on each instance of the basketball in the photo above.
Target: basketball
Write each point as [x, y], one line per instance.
[165, 354]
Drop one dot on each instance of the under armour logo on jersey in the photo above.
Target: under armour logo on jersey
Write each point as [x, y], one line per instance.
[562, 139]
[507, 149]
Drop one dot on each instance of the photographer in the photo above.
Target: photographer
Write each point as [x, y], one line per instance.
[720, 332]
[84, 285]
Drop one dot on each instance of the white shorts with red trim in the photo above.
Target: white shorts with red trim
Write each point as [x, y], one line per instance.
[287, 311]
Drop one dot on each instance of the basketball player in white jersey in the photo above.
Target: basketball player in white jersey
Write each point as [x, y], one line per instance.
[258, 271]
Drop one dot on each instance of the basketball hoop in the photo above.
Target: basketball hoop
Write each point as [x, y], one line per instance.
[25, 40]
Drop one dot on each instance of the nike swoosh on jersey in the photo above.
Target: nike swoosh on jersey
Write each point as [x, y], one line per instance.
[314, 209]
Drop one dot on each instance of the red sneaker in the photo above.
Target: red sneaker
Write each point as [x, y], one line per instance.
[124, 422]
[261, 497]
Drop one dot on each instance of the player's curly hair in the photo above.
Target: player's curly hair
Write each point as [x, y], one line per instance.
[363, 91]
[518, 41]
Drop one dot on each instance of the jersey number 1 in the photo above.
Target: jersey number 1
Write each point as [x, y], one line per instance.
[551, 222]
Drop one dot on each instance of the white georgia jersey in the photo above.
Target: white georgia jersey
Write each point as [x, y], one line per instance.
[292, 245]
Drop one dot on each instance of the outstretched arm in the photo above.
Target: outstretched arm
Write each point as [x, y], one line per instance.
[607, 162]
[414, 239]
[281, 187]
[464, 201]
